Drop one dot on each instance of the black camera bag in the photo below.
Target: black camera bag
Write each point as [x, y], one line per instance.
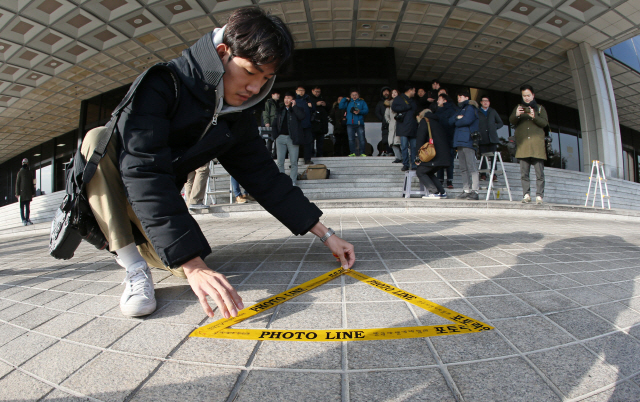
[74, 220]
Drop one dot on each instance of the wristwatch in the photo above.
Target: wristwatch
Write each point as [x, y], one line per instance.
[329, 233]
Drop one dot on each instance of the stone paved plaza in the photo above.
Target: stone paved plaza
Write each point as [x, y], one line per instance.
[562, 291]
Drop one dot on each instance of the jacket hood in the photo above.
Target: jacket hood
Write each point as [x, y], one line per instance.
[201, 70]
[382, 90]
[474, 103]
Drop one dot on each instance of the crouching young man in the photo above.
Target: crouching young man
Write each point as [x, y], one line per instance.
[135, 192]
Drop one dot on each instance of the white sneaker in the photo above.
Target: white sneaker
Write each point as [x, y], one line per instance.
[139, 297]
[432, 196]
[526, 199]
[538, 199]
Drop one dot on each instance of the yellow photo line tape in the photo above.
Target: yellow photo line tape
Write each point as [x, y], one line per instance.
[220, 329]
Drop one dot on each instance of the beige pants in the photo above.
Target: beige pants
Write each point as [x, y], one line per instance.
[110, 206]
[196, 185]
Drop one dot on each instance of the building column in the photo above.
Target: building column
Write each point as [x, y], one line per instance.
[601, 139]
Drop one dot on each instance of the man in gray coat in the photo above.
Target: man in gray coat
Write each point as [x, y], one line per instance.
[490, 123]
[24, 191]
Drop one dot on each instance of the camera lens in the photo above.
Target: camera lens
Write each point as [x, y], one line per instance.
[94, 236]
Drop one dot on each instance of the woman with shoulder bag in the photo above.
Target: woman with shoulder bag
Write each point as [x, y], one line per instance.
[429, 129]
[389, 117]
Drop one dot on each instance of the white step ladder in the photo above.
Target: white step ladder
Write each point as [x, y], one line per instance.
[599, 178]
[213, 192]
[407, 191]
[496, 155]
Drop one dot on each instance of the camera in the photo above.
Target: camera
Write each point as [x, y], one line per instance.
[88, 228]
[355, 109]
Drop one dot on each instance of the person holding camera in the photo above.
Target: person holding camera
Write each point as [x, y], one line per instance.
[303, 102]
[530, 120]
[466, 125]
[406, 125]
[356, 109]
[490, 123]
[319, 119]
[289, 135]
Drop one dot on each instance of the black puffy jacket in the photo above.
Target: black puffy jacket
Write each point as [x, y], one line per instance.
[408, 126]
[156, 154]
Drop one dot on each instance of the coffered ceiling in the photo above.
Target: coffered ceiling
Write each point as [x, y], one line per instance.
[55, 53]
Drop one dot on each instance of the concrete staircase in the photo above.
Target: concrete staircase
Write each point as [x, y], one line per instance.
[376, 177]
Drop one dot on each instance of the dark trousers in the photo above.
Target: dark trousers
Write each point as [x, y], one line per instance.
[525, 168]
[427, 176]
[449, 168]
[24, 210]
[319, 145]
[308, 146]
[487, 148]
[408, 147]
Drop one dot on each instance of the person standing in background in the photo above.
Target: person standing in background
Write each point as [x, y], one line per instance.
[196, 186]
[24, 191]
[389, 116]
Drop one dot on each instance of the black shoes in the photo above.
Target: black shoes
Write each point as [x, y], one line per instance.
[473, 195]
[397, 161]
[449, 184]
[404, 168]
[308, 162]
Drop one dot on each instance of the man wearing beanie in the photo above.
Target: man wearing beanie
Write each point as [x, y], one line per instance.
[135, 192]
[24, 191]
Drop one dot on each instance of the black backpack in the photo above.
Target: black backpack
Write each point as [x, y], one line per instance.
[74, 220]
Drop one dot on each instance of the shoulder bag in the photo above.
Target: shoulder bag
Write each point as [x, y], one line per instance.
[428, 151]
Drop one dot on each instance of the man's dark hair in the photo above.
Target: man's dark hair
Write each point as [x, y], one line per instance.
[435, 81]
[446, 97]
[301, 86]
[275, 91]
[261, 38]
[316, 87]
[407, 86]
[485, 96]
[464, 92]
[352, 90]
[289, 93]
[446, 91]
[420, 89]
[525, 87]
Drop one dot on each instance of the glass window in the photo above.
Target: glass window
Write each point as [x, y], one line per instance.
[556, 159]
[570, 151]
[626, 53]
[43, 180]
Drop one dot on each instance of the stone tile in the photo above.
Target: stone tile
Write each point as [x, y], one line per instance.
[478, 288]
[379, 315]
[179, 312]
[111, 376]
[328, 293]
[359, 292]
[499, 272]
[24, 347]
[501, 306]
[270, 278]
[430, 290]
[18, 386]
[96, 288]
[415, 275]
[520, 285]
[9, 332]
[574, 370]
[102, 332]
[169, 291]
[34, 317]
[459, 274]
[25, 294]
[216, 351]
[389, 353]
[617, 313]
[414, 385]
[67, 301]
[532, 333]
[460, 348]
[5, 369]
[63, 324]
[59, 396]
[584, 296]
[623, 392]
[181, 382]
[300, 355]
[457, 305]
[447, 263]
[152, 339]
[296, 386]
[308, 316]
[15, 310]
[582, 323]
[60, 361]
[614, 292]
[254, 293]
[556, 281]
[548, 302]
[97, 305]
[494, 381]
[618, 350]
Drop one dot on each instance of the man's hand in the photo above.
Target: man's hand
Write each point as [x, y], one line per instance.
[310, 105]
[204, 281]
[430, 99]
[321, 103]
[519, 111]
[293, 102]
[532, 113]
[356, 112]
[340, 248]
[459, 116]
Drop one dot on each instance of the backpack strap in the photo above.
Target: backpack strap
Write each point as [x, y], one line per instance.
[101, 148]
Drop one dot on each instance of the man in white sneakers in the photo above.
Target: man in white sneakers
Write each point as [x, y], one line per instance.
[135, 192]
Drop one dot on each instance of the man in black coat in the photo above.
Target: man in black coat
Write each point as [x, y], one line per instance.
[319, 119]
[490, 123]
[303, 102]
[289, 135]
[426, 171]
[24, 191]
[135, 192]
[406, 125]
[385, 94]
[446, 108]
